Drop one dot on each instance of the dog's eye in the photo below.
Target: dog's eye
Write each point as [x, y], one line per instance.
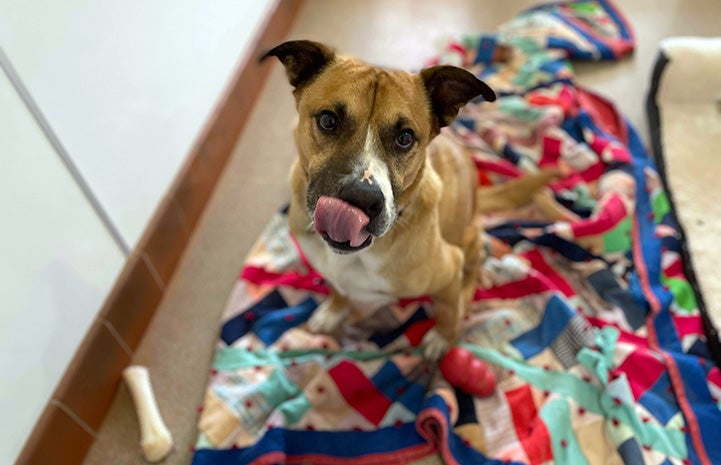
[327, 122]
[405, 139]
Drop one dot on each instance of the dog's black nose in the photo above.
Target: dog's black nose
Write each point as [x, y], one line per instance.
[364, 196]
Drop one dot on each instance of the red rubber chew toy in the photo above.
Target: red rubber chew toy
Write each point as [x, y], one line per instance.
[467, 373]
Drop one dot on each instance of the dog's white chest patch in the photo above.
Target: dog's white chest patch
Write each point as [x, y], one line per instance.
[355, 276]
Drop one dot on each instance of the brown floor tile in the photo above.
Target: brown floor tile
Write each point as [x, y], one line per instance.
[57, 439]
[91, 381]
[133, 301]
[165, 247]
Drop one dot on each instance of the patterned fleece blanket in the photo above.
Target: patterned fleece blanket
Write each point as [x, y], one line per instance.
[583, 310]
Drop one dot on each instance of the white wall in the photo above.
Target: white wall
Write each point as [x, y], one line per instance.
[57, 262]
[126, 87]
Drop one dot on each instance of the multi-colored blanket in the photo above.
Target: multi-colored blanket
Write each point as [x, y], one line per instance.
[583, 310]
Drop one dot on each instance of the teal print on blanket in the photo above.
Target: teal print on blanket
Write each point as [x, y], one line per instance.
[253, 403]
[246, 400]
[235, 390]
[583, 198]
[598, 400]
[600, 361]
[530, 74]
[526, 45]
[294, 409]
[237, 358]
[278, 388]
[519, 109]
[284, 396]
[557, 417]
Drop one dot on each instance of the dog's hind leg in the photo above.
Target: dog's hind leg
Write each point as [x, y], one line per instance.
[552, 210]
[514, 193]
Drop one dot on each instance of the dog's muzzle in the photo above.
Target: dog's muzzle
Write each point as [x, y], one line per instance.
[347, 222]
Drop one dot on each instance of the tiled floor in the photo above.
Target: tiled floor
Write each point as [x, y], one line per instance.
[179, 343]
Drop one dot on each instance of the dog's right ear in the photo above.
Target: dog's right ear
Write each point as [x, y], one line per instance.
[303, 59]
[449, 88]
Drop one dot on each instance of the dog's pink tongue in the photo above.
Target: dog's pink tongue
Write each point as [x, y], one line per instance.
[341, 221]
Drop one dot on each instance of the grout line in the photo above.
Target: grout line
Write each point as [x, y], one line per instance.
[74, 416]
[118, 338]
[60, 150]
[158, 280]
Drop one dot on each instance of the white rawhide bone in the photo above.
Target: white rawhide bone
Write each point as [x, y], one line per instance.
[155, 438]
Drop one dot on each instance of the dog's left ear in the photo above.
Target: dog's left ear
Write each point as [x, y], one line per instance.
[303, 59]
[449, 88]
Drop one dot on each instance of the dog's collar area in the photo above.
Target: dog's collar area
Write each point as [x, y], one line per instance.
[345, 247]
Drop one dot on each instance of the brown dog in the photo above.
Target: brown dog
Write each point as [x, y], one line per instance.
[384, 204]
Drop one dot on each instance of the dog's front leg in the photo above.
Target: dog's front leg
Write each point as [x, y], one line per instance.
[329, 314]
[449, 304]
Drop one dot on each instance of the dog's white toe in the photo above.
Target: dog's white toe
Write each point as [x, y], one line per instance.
[324, 320]
[435, 345]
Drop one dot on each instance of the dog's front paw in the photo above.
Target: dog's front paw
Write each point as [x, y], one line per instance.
[435, 345]
[325, 320]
